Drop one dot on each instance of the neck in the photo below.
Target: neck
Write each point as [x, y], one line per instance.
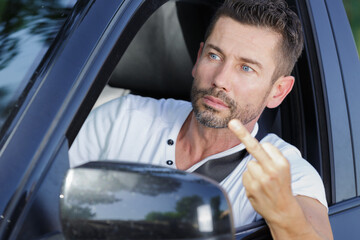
[197, 141]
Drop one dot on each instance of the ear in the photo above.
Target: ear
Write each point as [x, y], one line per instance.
[281, 88]
[197, 59]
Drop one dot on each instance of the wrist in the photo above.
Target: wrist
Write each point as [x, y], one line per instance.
[290, 223]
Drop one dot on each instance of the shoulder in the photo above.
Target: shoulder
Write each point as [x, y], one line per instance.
[145, 105]
[291, 153]
[285, 147]
[305, 179]
[276, 141]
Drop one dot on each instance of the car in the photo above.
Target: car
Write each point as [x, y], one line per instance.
[58, 57]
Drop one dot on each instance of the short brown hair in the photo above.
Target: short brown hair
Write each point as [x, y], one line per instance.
[274, 14]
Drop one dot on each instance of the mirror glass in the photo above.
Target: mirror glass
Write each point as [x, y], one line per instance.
[136, 201]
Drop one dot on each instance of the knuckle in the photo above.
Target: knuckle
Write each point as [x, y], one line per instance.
[246, 181]
[254, 145]
[245, 177]
[266, 180]
[242, 134]
[250, 165]
[272, 173]
[283, 164]
[268, 147]
[253, 187]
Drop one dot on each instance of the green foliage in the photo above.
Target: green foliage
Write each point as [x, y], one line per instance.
[352, 8]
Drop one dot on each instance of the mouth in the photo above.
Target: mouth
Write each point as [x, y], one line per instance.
[215, 103]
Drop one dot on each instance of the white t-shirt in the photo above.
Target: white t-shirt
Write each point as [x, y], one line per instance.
[145, 130]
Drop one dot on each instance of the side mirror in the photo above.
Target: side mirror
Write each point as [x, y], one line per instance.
[116, 200]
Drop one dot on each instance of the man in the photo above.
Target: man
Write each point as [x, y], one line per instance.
[244, 65]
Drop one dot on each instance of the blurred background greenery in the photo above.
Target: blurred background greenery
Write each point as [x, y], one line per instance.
[353, 11]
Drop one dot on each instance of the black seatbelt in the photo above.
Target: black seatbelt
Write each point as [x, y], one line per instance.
[217, 169]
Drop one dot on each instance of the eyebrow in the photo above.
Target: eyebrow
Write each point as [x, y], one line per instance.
[243, 59]
[214, 47]
[251, 61]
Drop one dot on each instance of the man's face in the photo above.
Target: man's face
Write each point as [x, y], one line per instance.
[233, 73]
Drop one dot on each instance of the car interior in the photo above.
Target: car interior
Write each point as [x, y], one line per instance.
[171, 37]
[158, 64]
[159, 60]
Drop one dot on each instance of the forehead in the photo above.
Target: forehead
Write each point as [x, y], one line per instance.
[242, 40]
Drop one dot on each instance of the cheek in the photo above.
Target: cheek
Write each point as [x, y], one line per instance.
[249, 94]
[202, 75]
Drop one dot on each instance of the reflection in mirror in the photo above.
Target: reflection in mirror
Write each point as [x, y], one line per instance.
[136, 201]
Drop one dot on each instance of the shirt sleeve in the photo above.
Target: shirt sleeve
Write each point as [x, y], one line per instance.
[90, 143]
[305, 180]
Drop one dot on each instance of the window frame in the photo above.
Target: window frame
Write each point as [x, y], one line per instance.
[94, 65]
[350, 72]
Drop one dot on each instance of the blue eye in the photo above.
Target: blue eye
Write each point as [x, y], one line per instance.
[247, 68]
[214, 56]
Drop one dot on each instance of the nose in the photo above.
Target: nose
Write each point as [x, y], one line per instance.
[223, 77]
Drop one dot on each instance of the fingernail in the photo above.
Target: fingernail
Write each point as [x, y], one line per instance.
[234, 124]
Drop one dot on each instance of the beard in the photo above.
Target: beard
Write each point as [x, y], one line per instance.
[213, 118]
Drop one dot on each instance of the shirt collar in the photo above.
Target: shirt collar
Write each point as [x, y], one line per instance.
[227, 152]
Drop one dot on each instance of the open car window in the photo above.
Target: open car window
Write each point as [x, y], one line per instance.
[160, 51]
[158, 62]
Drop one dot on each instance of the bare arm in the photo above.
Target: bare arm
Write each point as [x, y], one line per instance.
[267, 182]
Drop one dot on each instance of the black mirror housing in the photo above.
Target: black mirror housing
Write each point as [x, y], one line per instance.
[119, 200]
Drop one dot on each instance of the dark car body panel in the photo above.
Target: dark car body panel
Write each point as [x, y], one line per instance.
[349, 63]
[33, 155]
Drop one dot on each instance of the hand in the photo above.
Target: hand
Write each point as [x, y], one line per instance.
[267, 180]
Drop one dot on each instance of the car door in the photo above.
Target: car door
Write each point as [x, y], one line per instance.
[34, 146]
[330, 117]
[345, 208]
[319, 117]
